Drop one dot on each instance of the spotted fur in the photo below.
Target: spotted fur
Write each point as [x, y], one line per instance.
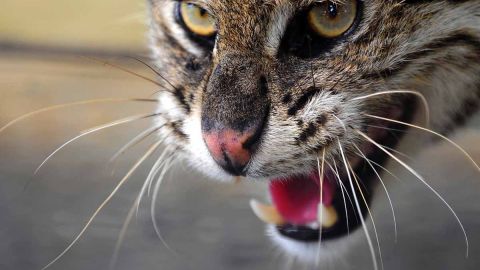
[428, 46]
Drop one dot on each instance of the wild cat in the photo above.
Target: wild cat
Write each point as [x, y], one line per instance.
[316, 97]
[321, 99]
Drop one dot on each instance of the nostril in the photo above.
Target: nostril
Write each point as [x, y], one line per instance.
[233, 148]
[231, 165]
[252, 142]
[230, 149]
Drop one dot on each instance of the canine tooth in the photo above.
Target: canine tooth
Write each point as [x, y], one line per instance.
[327, 215]
[266, 213]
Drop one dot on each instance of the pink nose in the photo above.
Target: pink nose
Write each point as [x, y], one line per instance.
[230, 149]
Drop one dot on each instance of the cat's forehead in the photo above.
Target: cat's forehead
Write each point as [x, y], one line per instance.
[250, 5]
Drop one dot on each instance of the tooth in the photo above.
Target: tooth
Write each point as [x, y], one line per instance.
[266, 213]
[327, 215]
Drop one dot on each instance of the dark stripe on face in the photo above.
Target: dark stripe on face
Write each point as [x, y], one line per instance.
[456, 39]
[182, 99]
[303, 100]
[176, 128]
[308, 133]
[287, 98]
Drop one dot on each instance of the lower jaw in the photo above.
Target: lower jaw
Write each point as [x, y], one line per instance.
[313, 253]
[349, 216]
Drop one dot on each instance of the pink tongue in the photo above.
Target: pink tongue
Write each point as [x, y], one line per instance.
[297, 198]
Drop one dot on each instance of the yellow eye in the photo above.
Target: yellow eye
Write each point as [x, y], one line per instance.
[332, 18]
[197, 20]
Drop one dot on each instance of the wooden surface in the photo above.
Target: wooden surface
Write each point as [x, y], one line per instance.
[93, 24]
[207, 223]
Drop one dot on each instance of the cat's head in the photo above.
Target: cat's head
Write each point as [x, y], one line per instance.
[286, 90]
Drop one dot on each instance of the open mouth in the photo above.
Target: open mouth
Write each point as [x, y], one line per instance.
[316, 206]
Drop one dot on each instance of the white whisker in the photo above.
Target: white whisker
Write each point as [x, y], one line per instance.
[121, 236]
[432, 132]
[153, 172]
[411, 170]
[93, 130]
[416, 93]
[104, 203]
[341, 122]
[341, 182]
[356, 178]
[359, 209]
[137, 139]
[56, 107]
[321, 176]
[383, 168]
[168, 164]
[133, 210]
[384, 188]
[385, 128]
[342, 188]
[398, 152]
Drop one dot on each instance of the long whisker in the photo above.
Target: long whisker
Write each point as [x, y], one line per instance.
[84, 102]
[342, 188]
[337, 174]
[416, 93]
[467, 155]
[359, 209]
[154, 71]
[344, 191]
[154, 172]
[139, 138]
[355, 177]
[384, 187]
[128, 219]
[398, 152]
[149, 179]
[381, 167]
[412, 171]
[93, 130]
[105, 63]
[321, 175]
[121, 236]
[153, 206]
[105, 202]
[386, 128]
[341, 122]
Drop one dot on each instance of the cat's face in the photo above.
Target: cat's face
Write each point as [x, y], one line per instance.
[273, 89]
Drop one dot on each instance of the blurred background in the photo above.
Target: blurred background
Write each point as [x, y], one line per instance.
[208, 225]
[42, 44]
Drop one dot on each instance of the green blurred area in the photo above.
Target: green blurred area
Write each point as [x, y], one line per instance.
[104, 25]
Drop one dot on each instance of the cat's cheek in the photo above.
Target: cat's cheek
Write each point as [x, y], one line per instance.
[169, 108]
[196, 153]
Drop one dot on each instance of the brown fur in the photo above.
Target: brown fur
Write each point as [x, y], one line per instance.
[396, 45]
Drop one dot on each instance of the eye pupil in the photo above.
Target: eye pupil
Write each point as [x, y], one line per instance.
[331, 19]
[196, 19]
[332, 10]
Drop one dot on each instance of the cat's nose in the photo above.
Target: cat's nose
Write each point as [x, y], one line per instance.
[235, 108]
[231, 149]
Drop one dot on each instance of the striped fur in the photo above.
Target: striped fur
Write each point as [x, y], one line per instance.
[428, 46]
